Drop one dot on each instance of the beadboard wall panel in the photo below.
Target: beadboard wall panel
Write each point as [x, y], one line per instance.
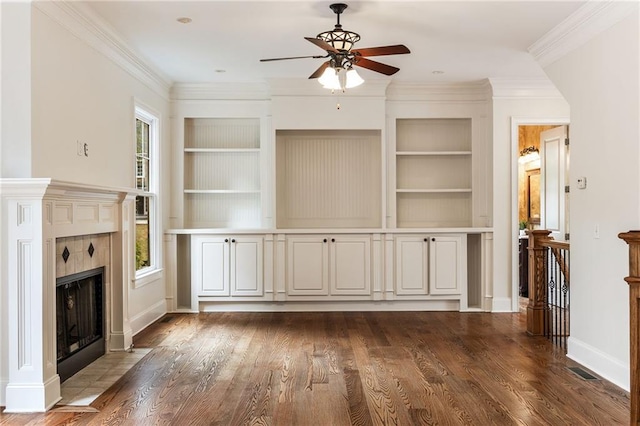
[447, 134]
[216, 133]
[222, 210]
[436, 172]
[239, 171]
[328, 179]
[434, 210]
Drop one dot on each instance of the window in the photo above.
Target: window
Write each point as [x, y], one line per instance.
[146, 184]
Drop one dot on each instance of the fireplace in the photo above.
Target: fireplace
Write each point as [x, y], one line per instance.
[79, 320]
[52, 231]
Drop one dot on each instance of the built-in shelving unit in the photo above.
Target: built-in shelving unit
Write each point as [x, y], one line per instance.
[380, 206]
[222, 172]
[433, 173]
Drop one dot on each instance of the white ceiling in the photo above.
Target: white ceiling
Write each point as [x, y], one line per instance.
[467, 40]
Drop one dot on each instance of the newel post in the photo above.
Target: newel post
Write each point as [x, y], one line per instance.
[536, 309]
[633, 239]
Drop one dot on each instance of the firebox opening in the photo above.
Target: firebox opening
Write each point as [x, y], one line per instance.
[79, 321]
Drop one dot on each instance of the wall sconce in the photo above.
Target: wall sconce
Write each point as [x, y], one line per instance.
[528, 154]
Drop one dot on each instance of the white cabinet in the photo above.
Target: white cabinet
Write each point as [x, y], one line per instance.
[445, 264]
[227, 265]
[429, 264]
[322, 265]
[412, 265]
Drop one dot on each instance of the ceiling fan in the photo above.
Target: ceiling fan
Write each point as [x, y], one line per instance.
[338, 43]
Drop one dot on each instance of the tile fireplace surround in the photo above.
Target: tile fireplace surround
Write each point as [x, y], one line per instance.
[40, 216]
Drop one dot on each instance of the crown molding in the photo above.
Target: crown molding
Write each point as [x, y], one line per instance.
[580, 27]
[523, 89]
[475, 91]
[222, 91]
[81, 21]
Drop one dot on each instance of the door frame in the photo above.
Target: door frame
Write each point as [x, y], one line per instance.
[516, 122]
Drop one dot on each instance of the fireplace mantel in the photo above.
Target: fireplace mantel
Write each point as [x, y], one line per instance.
[34, 213]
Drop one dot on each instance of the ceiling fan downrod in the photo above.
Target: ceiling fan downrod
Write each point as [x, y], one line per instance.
[338, 8]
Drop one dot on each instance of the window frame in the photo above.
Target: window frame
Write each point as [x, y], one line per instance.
[153, 271]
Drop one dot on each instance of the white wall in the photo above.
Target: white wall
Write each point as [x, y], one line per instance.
[600, 82]
[15, 85]
[78, 94]
[505, 110]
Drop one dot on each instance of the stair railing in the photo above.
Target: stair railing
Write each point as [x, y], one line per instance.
[632, 238]
[548, 307]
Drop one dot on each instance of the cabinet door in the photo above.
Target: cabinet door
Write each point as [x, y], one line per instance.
[307, 265]
[445, 264]
[350, 265]
[412, 272]
[246, 266]
[210, 268]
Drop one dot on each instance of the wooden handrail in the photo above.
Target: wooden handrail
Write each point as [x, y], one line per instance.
[560, 245]
[632, 238]
[559, 257]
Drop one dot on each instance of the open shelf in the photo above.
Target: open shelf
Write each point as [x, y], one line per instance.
[222, 185]
[428, 153]
[433, 165]
[224, 150]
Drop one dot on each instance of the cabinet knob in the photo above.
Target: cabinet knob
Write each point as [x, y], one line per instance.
[426, 239]
[233, 241]
[325, 240]
[333, 240]
[226, 240]
[433, 239]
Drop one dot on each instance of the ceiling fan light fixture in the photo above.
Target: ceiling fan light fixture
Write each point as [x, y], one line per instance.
[330, 79]
[353, 79]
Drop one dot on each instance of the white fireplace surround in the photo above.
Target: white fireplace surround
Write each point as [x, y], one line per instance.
[35, 213]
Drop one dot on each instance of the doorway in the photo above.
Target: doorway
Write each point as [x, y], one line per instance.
[538, 189]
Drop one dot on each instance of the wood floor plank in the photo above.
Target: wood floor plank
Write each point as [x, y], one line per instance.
[346, 368]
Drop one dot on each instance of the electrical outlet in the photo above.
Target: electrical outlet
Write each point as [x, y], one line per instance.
[596, 231]
[80, 148]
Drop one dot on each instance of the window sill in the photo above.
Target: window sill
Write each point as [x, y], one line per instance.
[146, 277]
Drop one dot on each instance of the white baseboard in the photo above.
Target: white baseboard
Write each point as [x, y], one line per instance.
[148, 316]
[604, 365]
[32, 397]
[337, 306]
[501, 304]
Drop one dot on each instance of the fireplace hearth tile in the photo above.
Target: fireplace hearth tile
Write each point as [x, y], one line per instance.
[90, 249]
[89, 383]
[65, 254]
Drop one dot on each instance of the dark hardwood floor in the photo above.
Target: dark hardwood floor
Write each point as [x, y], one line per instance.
[370, 368]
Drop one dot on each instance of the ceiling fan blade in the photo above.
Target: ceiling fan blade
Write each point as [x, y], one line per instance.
[397, 49]
[322, 44]
[317, 73]
[292, 57]
[375, 66]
